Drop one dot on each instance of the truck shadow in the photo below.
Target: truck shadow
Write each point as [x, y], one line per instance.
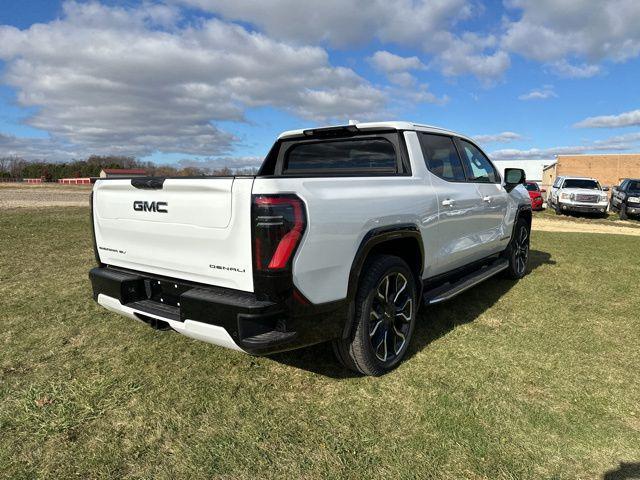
[432, 323]
[625, 471]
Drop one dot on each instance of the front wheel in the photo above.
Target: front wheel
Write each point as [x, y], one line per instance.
[557, 208]
[518, 251]
[623, 212]
[385, 316]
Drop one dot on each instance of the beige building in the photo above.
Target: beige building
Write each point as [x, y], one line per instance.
[609, 169]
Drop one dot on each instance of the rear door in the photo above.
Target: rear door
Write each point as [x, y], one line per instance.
[191, 229]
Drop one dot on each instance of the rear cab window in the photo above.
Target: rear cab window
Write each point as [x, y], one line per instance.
[362, 154]
[353, 155]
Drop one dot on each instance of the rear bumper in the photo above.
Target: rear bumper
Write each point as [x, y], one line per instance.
[224, 317]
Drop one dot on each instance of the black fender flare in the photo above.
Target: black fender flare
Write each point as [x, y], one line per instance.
[522, 210]
[373, 238]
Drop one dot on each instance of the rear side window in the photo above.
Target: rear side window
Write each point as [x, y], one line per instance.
[479, 167]
[441, 157]
[377, 155]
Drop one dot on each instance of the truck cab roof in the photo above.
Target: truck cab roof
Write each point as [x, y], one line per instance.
[392, 125]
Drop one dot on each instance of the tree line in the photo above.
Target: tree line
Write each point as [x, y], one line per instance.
[16, 167]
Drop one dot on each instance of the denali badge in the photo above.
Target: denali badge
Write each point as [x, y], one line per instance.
[228, 269]
[140, 206]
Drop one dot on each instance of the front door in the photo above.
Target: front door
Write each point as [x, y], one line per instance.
[495, 201]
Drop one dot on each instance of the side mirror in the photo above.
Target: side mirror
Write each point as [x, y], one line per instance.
[605, 189]
[543, 190]
[513, 177]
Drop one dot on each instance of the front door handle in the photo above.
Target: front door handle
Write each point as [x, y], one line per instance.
[487, 199]
[448, 203]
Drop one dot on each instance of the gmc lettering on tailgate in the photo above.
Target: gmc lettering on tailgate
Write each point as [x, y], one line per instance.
[141, 206]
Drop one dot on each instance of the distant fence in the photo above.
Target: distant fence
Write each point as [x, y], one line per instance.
[10, 180]
[32, 180]
[75, 181]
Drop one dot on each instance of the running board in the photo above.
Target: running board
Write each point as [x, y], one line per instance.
[450, 290]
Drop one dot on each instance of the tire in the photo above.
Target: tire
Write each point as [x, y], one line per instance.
[623, 212]
[557, 208]
[385, 316]
[518, 251]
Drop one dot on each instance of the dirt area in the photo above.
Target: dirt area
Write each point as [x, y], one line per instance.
[35, 196]
[549, 225]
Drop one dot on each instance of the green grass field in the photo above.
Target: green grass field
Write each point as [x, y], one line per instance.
[531, 380]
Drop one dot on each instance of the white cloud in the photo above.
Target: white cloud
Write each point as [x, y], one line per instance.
[396, 68]
[620, 143]
[562, 68]
[216, 163]
[503, 137]
[468, 54]
[420, 94]
[391, 63]
[551, 30]
[539, 94]
[31, 148]
[626, 119]
[135, 81]
[422, 24]
[342, 24]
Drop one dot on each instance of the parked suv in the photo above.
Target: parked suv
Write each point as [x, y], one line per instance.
[340, 237]
[625, 198]
[578, 194]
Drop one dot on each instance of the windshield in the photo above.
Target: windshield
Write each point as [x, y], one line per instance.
[532, 187]
[579, 183]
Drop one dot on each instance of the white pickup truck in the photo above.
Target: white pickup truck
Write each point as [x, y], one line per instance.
[341, 236]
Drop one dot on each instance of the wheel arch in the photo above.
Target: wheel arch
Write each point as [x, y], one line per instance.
[401, 240]
[524, 211]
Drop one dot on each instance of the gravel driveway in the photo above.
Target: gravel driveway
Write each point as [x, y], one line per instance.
[34, 196]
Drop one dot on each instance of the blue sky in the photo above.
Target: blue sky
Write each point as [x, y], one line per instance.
[211, 82]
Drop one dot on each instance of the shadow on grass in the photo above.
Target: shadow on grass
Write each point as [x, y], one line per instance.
[432, 323]
[626, 471]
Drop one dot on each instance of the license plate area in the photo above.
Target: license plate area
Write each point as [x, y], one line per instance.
[164, 292]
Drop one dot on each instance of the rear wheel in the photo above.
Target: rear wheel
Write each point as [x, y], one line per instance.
[386, 306]
[518, 251]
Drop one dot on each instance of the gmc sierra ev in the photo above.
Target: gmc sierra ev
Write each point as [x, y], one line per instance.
[342, 235]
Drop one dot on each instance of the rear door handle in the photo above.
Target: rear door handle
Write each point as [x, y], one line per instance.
[487, 199]
[448, 203]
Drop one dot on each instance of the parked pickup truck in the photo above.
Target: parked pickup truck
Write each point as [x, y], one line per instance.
[578, 194]
[340, 237]
[625, 198]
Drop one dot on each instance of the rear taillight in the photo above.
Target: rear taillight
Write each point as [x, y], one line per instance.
[279, 222]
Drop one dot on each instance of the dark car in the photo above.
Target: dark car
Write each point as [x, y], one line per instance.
[625, 198]
[535, 194]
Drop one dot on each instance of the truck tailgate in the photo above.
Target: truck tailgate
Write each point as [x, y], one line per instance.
[191, 229]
